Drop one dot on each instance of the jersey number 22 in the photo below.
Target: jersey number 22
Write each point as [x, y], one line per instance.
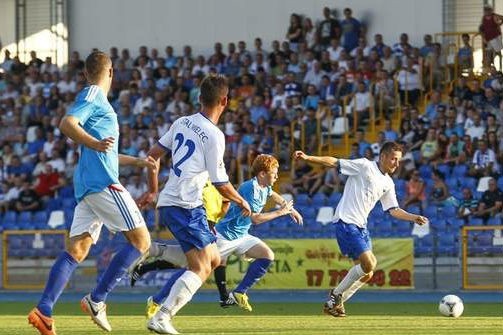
[191, 147]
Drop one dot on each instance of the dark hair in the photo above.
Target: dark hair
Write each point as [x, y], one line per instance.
[439, 174]
[390, 147]
[213, 87]
[97, 63]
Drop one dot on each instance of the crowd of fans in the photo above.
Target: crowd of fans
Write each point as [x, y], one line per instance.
[304, 77]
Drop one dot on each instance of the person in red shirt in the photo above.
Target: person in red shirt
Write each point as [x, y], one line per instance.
[48, 181]
[491, 34]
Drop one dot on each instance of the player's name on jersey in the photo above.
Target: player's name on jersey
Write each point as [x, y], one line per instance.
[196, 129]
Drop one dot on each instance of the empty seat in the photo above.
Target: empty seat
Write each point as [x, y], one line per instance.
[325, 215]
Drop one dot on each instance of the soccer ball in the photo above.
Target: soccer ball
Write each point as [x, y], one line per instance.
[451, 305]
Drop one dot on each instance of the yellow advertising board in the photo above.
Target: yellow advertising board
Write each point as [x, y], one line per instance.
[319, 264]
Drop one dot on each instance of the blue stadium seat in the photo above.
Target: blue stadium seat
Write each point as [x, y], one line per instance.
[425, 172]
[455, 223]
[439, 225]
[66, 192]
[10, 217]
[475, 222]
[452, 183]
[68, 203]
[334, 199]
[319, 199]
[459, 171]
[449, 211]
[53, 204]
[470, 183]
[500, 183]
[447, 245]
[384, 229]
[494, 221]
[400, 184]
[401, 228]
[431, 212]
[445, 169]
[423, 246]
[302, 199]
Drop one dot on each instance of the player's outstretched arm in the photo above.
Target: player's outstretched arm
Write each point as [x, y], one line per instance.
[279, 200]
[400, 214]
[70, 126]
[229, 192]
[154, 154]
[258, 218]
[321, 160]
[147, 162]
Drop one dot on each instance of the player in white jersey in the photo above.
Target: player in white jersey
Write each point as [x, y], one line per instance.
[368, 182]
[197, 148]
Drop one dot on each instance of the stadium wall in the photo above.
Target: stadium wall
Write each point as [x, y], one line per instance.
[200, 23]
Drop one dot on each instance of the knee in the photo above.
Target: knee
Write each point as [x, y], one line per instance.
[369, 265]
[78, 254]
[270, 255]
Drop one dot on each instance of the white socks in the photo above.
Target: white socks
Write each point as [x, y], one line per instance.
[172, 253]
[181, 293]
[354, 274]
[350, 291]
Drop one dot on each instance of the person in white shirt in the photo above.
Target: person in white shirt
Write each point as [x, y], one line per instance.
[197, 148]
[368, 182]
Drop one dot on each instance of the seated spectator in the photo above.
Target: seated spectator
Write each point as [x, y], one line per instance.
[477, 129]
[455, 154]
[429, 147]
[389, 133]
[48, 182]
[491, 202]
[440, 194]
[483, 162]
[27, 200]
[300, 175]
[415, 191]
[16, 168]
[376, 146]
[468, 205]
[136, 187]
[362, 143]
[362, 104]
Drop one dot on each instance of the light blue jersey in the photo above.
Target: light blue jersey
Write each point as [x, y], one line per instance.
[95, 170]
[234, 225]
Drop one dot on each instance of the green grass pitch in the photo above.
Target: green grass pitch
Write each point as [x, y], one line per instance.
[272, 318]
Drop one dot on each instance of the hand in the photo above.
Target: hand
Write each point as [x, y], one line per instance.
[148, 162]
[297, 155]
[146, 199]
[287, 207]
[104, 145]
[421, 220]
[297, 217]
[246, 211]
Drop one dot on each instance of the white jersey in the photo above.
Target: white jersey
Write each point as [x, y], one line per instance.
[365, 186]
[197, 146]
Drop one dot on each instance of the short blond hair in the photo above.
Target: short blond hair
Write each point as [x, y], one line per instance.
[264, 163]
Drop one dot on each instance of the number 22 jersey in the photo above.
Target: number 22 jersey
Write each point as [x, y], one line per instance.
[197, 149]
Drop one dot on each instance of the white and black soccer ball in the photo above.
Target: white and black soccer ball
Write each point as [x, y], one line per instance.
[451, 305]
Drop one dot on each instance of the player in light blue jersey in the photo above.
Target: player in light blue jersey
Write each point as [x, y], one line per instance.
[368, 182]
[232, 230]
[196, 146]
[101, 199]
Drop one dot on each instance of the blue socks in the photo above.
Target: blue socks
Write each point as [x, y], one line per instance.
[61, 272]
[255, 271]
[164, 292]
[115, 271]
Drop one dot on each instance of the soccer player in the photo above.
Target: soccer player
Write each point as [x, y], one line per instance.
[233, 237]
[102, 200]
[232, 230]
[368, 182]
[197, 148]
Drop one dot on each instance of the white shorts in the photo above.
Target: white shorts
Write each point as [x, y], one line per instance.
[239, 246]
[495, 44]
[172, 253]
[113, 207]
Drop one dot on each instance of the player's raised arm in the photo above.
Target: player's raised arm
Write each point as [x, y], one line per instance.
[147, 162]
[400, 214]
[321, 160]
[279, 200]
[153, 155]
[228, 191]
[70, 126]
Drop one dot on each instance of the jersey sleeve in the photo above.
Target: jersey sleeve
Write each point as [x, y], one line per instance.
[166, 141]
[247, 191]
[388, 199]
[82, 110]
[351, 167]
[214, 158]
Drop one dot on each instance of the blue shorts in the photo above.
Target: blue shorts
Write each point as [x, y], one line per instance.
[188, 226]
[352, 240]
